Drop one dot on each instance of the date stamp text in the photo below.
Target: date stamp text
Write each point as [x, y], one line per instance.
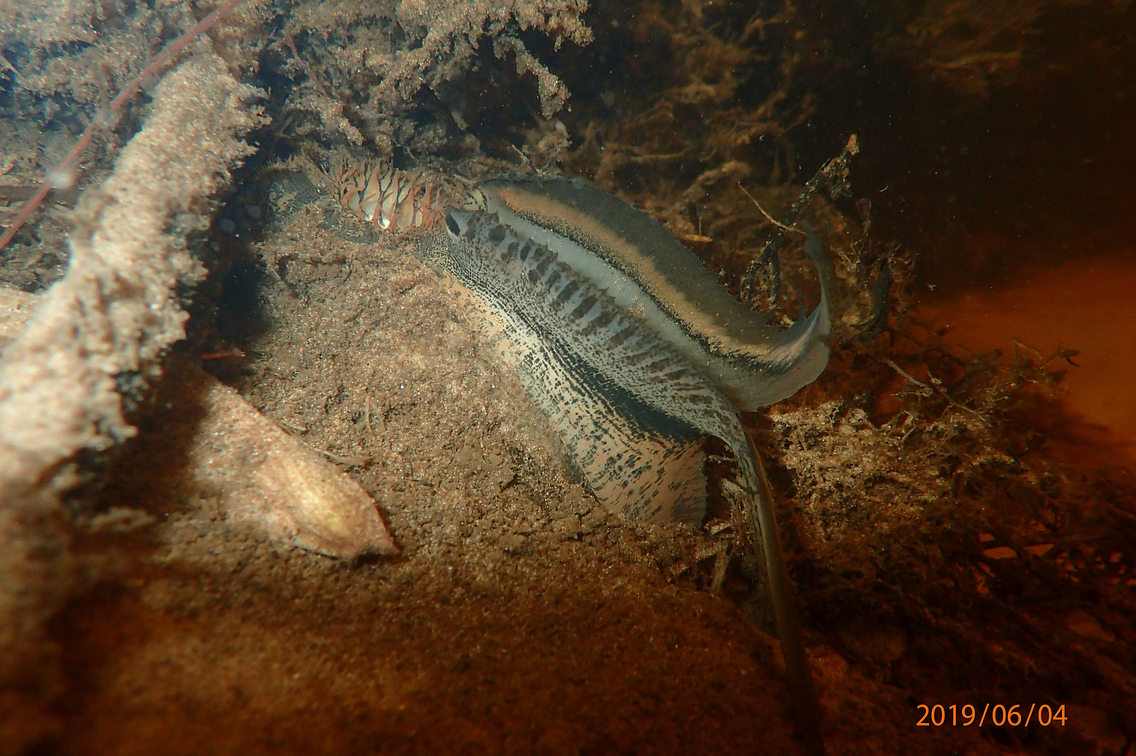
[999, 715]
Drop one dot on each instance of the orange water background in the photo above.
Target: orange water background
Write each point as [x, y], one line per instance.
[1088, 305]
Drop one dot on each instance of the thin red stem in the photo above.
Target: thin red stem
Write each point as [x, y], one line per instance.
[104, 118]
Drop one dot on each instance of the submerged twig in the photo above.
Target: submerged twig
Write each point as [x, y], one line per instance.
[935, 388]
[769, 217]
[833, 176]
[57, 177]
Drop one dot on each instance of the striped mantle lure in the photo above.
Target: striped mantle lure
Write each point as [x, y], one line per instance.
[390, 199]
[632, 350]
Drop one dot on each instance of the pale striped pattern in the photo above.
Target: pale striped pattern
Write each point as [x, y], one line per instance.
[629, 409]
[391, 199]
[640, 264]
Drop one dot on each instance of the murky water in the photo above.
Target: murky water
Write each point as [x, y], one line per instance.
[1086, 305]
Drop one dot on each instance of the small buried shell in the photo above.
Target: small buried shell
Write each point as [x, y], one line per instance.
[393, 200]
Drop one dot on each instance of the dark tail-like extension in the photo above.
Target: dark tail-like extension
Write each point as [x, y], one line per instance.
[806, 706]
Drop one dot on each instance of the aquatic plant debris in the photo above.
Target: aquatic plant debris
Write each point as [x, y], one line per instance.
[59, 176]
[101, 331]
[259, 476]
[833, 176]
[387, 54]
